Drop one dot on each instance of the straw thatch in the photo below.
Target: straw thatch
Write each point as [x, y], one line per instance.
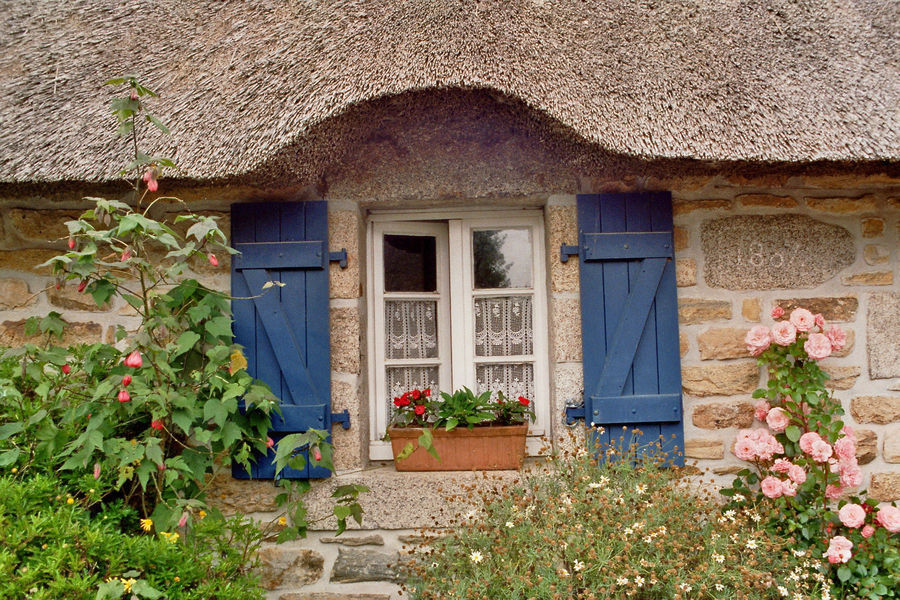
[262, 89]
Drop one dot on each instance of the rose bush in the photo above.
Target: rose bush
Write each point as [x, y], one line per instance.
[804, 466]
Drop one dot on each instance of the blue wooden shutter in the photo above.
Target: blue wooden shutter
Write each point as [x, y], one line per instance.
[629, 316]
[284, 331]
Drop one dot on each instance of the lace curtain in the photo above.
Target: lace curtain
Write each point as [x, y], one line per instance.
[513, 380]
[503, 326]
[411, 329]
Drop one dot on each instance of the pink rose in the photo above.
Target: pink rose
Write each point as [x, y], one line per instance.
[807, 439]
[802, 319]
[777, 419]
[797, 474]
[848, 431]
[821, 450]
[771, 487]
[838, 550]
[868, 531]
[789, 488]
[784, 333]
[833, 492]
[837, 336]
[761, 410]
[781, 465]
[817, 346]
[777, 312]
[757, 340]
[889, 518]
[745, 449]
[820, 321]
[852, 515]
[851, 474]
[845, 448]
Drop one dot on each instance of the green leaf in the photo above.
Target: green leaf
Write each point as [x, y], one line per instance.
[183, 420]
[425, 440]
[406, 452]
[793, 433]
[9, 457]
[219, 327]
[185, 342]
[10, 429]
[159, 124]
[215, 410]
[844, 573]
[110, 589]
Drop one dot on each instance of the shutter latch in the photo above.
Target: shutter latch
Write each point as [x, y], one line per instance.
[566, 251]
[340, 255]
[574, 411]
[342, 417]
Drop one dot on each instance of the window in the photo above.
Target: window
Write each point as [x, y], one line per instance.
[457, 300]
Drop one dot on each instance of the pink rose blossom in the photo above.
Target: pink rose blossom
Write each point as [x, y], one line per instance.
[771, 487]
[821, 450]
[781, 465]
[868, 531]
[851, 474]
[745, 449]
[833, 492]
[852, 515]
[845, 448]
[757, 340]
[848, 431]
[889, 518]
[837, 336]
[838, 550]
[761, 410]
[755, 444]
[802, 319]
[777, 419]
[820, 321]
[777, 312]
[797, 474]
[784, 333]
[817, 346]
[789, 488]
[807, 439]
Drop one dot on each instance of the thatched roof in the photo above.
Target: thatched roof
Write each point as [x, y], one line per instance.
[247, 86]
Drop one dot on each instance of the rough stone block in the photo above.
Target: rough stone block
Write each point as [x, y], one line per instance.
[345, 349]
[566, 327]
[239, 495]
[698, 310]
[330, 596]
[727, 469]
[68, 297]
[876, 254]
[764, 252]
[366, 565]
[871, 278]
[766, 200]
[344, 232]
[720, 380]
[838, 309]
[286, 566]
[685, 272]
[562, 226]
[14, 293]
[751, 309]
[872, 227]
[12, 333]
[366, 540]
[348, 443]
[683, 207]
[722, 343]
[866, 445]
[841, 205]
[683, 344]
[45, 225]
[879, 410]
[885, 487]
[682, 238]
[891, 447]
[841, 378]
[723, 415]
[704, 449]
[26, 261]
[882, 341]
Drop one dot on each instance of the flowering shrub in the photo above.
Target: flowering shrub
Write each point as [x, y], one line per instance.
[417, 408]
[626, 528]
[804, 462]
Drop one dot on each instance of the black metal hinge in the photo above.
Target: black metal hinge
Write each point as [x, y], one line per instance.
[340, 255]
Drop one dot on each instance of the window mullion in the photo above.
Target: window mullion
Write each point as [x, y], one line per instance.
[460, 333]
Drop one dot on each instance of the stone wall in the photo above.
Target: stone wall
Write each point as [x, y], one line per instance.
[743, 246]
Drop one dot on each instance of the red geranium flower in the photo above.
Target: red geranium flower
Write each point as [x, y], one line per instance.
[427, 392]
[416, 394]
[523, 401]
[419, 409]
[402, 400]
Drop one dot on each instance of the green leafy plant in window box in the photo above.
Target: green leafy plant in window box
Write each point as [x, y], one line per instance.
[459, 431]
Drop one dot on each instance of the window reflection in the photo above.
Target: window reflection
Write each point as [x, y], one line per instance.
[501, 258]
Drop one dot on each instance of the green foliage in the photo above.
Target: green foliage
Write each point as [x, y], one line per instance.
[626, 528]
[52, 546]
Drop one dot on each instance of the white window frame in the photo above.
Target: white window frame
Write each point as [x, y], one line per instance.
[455, 305]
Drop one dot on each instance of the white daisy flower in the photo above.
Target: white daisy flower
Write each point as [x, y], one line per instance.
[719, 587]
[622, 581]
[718, 558]
[476, 557]
[752, 545]
[578, 566]
[510, 524]
[783, 591]
[638, 581]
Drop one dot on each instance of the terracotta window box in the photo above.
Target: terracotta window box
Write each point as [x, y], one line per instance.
[484, 447]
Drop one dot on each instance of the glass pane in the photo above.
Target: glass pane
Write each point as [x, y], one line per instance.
[503, 326]
[410, 329]
[404, 379]
[513, 380]
[502, 258]
[410, 263]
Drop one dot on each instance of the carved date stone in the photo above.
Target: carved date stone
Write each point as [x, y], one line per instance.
[765, 252]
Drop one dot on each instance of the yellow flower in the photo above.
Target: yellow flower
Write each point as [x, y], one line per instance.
[177, 579]
[146, 524]
[127, 583]
[69, 500]
[202, 513]
[169, 537]
[282, 521]
[15, 470]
